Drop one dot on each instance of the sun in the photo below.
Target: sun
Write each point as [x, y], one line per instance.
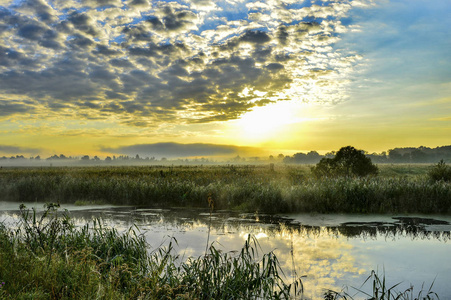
[266, 123]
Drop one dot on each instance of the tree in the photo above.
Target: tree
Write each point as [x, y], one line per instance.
[301, 158]
[348, 161]
[313, 156]
[394, 155]
[418, 156]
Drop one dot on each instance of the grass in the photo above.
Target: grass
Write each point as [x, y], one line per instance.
[46, 257]
[398, 188]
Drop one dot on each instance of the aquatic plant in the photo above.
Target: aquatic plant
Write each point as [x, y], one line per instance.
[220, 275]
[381, 290]
[46, 257]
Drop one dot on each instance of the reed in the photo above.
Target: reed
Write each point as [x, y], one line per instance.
[46, 257]
[379, 289]
[404, 188]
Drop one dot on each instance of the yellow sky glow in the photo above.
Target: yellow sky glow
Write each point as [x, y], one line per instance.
[254, 75]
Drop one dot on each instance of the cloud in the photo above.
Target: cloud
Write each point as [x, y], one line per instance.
[255, 37]
[83, 22]
[101, 3]
[176, 150]
[172, 17]
[9, 108]
[7, 149]
[39, 8]
[203, 5]
[142, 3]
[155, 62]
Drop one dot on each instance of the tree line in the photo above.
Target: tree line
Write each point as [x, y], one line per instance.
[397, 155]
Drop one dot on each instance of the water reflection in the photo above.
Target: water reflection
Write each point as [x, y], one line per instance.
[330, 250]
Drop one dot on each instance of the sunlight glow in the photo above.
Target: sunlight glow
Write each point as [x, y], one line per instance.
[264, 122]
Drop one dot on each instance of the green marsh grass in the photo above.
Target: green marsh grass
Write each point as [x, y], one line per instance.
[398, 188]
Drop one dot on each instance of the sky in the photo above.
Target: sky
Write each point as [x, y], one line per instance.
[103, 77]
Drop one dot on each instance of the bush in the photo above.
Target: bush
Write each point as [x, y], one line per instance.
[347, 162]
[440, 171]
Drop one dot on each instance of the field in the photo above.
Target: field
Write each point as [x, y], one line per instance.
[264, 188]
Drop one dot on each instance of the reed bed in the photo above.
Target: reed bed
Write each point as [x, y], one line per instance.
[398, 189]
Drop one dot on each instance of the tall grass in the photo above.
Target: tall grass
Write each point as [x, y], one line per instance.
[370, 195]
[285, 189]
[46, 257]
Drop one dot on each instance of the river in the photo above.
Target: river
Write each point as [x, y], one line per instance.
[333, 251]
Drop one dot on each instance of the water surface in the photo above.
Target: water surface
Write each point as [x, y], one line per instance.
[332, 251]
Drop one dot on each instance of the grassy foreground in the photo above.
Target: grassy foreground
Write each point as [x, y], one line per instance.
[397, 189]
[46, 257]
